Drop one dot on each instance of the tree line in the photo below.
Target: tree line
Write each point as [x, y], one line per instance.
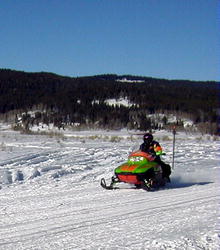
[82, 100]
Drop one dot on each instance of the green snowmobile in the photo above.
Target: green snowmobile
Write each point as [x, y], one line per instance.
[140, 170]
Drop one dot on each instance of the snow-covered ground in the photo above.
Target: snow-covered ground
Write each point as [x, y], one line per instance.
[50, 194]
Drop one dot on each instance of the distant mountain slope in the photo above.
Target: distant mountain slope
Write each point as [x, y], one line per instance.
[83, 99]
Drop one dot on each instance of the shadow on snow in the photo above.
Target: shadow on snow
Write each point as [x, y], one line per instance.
[178, 183]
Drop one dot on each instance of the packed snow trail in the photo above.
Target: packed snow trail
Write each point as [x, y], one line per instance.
[59, 203]
[80, 218]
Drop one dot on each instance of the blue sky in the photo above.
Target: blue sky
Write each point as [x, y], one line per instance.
[173, 39]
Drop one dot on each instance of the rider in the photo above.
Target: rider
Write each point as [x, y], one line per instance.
[154, 148]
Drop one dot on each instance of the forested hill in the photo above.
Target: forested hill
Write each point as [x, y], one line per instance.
[85, 100]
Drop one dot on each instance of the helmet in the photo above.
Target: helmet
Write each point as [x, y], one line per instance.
[148, 138]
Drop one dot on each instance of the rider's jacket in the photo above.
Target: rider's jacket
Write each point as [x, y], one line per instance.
[154, 148]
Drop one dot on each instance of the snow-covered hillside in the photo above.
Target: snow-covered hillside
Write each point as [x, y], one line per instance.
[50, 196]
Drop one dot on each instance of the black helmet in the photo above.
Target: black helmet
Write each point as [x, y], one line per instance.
[148, 138]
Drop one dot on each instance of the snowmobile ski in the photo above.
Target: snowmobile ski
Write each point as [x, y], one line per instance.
[108, 187]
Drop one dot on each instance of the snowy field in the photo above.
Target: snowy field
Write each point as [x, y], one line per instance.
[50, 194]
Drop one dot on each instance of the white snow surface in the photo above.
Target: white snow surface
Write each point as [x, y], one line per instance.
[51, 198]
[129, 81]
[120, 102]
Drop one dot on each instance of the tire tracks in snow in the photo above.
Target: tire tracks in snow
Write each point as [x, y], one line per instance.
[79, 218]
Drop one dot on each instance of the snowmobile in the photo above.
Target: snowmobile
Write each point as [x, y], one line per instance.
[140, 170]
